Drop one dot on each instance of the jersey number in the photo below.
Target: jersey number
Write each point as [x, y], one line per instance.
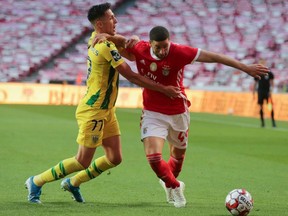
[96, 123]
[182, 135]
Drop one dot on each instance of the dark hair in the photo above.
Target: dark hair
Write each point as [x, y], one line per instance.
[98, 11]
[159, 33]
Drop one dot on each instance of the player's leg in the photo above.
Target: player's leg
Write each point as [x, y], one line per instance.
[64, 167]
[272, 118]
[60, 170]
[272, 111]
[84, 156]
[112, 158]
[154, 130]
[175, 163]
[91, 127]
[113, 153]
[261, 112]
[260, 104]
[178, 141]
[176, 159]
[112, 142]
[153, 150]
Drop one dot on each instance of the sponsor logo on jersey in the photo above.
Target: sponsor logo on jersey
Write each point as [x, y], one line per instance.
[165, 70]
[153, 66]
[95, 52]
[116, 56]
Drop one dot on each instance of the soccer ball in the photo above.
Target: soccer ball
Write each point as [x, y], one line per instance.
[239, 202]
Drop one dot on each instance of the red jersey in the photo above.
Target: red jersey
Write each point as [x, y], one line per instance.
[167, 71]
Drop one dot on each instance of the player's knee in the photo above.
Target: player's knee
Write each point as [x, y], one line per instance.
[85, 164]
[116, 160]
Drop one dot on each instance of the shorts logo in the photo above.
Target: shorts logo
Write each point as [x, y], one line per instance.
[116, 56]
[95, 139]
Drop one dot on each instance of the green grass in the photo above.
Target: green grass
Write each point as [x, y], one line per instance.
[225, 152]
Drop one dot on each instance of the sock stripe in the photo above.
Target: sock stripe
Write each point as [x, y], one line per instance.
[154, 158]
[62, 172]
[96, 168]
[62, 168]
[54, 173]
[177, 160]
[91, 176]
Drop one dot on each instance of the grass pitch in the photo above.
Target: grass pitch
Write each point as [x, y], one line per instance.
[224, 153]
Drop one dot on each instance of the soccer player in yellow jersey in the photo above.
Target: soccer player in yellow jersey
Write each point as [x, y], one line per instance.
[95, 114]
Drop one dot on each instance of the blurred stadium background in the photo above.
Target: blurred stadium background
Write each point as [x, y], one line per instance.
[46, 41]
[43, 61]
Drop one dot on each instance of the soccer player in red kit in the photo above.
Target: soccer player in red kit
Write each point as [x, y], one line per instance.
[165, 118]
[168, 119]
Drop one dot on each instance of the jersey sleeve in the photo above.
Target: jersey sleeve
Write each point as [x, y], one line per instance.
[191, 53]
[111, 54]
[187, 54]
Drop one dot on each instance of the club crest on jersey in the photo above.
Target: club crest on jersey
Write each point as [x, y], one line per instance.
[165, 70]
[153, 66]
[95, 139]
[116, 56]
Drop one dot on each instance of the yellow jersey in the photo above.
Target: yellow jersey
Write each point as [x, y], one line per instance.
[102, 78]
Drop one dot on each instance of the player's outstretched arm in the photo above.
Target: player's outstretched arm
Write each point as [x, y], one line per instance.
[254, 70]
[120, 41]
[125, 70]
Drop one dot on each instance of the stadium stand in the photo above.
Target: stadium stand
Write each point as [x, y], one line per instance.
[34, 32]
[246, 30]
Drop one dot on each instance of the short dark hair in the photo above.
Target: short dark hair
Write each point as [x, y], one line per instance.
[98, 11]
[159, 33]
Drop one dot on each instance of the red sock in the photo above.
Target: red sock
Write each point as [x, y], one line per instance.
[175, 165]
[162, 170]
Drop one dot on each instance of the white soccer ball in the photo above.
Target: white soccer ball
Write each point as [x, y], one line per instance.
[239, 202]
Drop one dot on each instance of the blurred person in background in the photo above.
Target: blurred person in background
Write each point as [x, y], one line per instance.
[166, 118]
[95, 114]
[264, 88]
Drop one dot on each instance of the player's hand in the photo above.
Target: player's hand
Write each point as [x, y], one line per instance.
[132, 41]
[257, 70]
[172, 91]
[99, 38]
